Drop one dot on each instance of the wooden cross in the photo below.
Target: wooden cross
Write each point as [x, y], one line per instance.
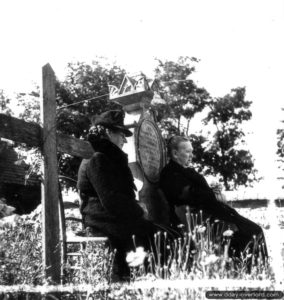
[46, 138]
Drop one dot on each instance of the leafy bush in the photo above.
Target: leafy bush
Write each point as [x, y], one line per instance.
[93, 266]
[21, 250]
[21, 254]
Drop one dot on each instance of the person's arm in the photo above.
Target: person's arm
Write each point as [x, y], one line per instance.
[205, 200]
[117, 203]
[182, 191]
[172, 184]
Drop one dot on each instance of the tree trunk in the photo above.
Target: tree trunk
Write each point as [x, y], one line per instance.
[223, 160]
[226, 184]
[187, 127]
[179, 125]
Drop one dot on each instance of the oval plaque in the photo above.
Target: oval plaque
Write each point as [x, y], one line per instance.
[150, 150]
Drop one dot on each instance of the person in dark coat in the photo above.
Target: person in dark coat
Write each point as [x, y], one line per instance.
[182, 185]
[106, 187]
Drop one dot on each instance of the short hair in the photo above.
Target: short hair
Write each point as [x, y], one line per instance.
[173, 143]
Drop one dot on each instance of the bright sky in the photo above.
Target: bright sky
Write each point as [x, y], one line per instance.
[239, 42]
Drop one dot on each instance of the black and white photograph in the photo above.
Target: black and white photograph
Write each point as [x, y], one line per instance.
[141, 149]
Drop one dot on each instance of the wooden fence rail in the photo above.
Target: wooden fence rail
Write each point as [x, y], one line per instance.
[31, 134]
[49, 142]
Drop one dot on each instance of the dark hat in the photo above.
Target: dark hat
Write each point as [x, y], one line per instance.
[112, 119]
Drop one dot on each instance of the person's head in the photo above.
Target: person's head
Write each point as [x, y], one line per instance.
[180, 150]
[117, 137]
[110, 125]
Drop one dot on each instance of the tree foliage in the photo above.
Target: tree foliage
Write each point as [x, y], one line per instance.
[5, 102]
[183, 98]
[280, 146]
[29, 105]
[223, 152]
[84, 92]
[83, 81]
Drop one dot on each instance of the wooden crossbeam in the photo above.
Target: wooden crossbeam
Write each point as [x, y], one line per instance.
[20, 131]
[31, 134]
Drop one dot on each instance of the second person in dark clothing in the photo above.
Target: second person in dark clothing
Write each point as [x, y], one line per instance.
[182, 185]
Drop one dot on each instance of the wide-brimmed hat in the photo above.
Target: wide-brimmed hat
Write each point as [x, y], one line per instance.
[112, 119]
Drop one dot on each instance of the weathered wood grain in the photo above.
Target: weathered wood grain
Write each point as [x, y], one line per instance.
[20, 131]
[73, 146]
[50, 201]
[31, 134]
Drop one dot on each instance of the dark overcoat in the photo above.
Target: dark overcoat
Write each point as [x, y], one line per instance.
[185, 186]
[106, 188]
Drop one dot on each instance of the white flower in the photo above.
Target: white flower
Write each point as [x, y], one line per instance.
[136, 258]
[201, 229]
[228, 233]
[210, 259]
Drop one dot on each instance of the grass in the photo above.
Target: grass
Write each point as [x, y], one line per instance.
[195, 264]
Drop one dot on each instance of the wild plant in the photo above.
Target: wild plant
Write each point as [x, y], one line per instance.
[21, 255]
[21, 251]
[203, 252]
[92, 266]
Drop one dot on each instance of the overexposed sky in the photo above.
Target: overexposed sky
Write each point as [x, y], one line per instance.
[239, 43]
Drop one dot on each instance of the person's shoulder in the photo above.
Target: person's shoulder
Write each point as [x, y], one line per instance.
[172, 166]
[192, 171]
[97, 157]
[166, 169]
[94, 157]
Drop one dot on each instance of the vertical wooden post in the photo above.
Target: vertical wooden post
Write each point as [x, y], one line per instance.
[50, 201]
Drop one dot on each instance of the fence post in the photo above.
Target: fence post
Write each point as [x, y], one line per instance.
[50, 189]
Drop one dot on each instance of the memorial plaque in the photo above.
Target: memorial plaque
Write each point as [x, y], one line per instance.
[150, 149]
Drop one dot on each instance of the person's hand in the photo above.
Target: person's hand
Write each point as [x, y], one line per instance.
[216, 187]
[220, 196]
[144, 207]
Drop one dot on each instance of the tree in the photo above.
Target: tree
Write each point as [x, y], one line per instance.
[280, 146]
[83, 82]
[29, 104]
[223, 153]
[5, 102]
[183, 98]
[29, 110]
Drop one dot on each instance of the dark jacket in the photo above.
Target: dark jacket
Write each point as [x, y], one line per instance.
[184, 186]
[106, 188]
